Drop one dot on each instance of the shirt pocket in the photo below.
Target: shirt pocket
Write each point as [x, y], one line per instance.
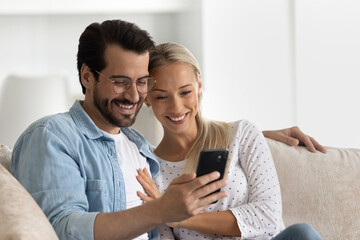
[97, 195]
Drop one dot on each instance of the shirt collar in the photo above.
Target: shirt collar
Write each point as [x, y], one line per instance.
[90, 130]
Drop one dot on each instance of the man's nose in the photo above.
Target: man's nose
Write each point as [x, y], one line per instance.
[132, 93]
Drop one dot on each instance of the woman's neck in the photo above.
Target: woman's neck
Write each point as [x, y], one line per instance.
[175, 147]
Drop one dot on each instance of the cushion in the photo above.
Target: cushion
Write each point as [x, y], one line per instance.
[21, 217]
[320, 189]
[5, 156]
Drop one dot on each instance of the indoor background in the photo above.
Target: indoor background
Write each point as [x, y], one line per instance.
[277, 63]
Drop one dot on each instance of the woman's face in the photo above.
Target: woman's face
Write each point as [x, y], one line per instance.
[175, 97]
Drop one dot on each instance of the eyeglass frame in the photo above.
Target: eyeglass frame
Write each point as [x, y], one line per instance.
[127, 86]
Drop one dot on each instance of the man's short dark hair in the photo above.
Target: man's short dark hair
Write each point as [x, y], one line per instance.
[94, 40]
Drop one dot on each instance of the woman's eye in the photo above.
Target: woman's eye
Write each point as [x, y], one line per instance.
[160, 98]
[185, 93]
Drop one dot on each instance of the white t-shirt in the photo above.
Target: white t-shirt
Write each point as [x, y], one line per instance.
[253, 190]
[130, 160]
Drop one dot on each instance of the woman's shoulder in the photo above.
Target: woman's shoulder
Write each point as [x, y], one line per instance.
[243, 128]
[240, 124]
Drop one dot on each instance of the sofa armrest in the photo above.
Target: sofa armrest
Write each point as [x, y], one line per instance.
[21, 217]
[5, 156]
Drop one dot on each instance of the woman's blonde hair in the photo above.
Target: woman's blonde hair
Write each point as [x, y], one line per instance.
[211, 134]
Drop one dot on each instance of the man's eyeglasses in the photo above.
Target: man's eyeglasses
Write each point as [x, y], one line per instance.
[122, 84]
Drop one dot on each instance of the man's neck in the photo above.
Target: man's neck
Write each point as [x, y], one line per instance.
[98, 120]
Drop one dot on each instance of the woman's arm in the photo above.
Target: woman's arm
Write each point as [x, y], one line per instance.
[261, 215]
[222, 222]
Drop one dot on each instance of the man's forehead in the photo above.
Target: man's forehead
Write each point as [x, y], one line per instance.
[122, 59]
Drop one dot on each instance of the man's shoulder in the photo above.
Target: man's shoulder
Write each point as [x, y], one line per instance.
[59, 122]
[60, 125]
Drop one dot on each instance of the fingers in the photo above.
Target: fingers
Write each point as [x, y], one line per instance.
[306, 140]
[143, 180]
[202, 186]
[201, 182]
[144, 197]
[318, 146]
[288, 140]
[282, 136]
[148, 183]
[184, 178]
[188, 195]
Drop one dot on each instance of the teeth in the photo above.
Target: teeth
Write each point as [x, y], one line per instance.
[178, 118]
[126, 106]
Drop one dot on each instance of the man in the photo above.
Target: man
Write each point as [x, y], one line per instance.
[80, 166]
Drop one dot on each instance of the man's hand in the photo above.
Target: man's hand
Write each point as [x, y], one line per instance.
[187, 196]
[294, 137]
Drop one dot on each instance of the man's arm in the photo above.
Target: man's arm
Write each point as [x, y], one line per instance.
[293, 137]
[185, 197]
[48, 169]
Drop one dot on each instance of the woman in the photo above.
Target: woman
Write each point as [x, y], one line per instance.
[252, 208]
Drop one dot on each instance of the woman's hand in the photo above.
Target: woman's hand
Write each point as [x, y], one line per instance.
[145, 179]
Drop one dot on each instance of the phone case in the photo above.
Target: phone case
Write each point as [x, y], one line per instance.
[211, 160]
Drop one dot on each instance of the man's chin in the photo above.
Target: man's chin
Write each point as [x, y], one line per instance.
[125, 121]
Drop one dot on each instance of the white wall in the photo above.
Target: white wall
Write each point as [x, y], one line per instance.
[280, 63]
[34, 46]
[328, 70]
[248, 62]
[277, 63]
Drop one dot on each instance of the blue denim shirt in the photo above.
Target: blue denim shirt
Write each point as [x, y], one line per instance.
[71, 169]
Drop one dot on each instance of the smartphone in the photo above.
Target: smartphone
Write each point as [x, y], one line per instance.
[211, 160]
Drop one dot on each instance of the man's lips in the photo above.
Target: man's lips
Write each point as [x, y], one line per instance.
[126, 108]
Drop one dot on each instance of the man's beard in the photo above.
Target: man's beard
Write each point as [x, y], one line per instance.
[103, 107]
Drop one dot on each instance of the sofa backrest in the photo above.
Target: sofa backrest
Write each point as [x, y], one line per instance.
[320, 189]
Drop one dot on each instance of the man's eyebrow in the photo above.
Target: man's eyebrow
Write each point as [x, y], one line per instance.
[123, 76]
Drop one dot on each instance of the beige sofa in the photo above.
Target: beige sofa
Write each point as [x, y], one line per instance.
[320, 189]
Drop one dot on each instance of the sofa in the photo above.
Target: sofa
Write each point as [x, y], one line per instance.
[320, 189]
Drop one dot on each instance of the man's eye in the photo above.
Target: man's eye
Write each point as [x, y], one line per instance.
[141, 82]
[121, 82]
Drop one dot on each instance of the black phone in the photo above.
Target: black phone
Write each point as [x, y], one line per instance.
[211, 160]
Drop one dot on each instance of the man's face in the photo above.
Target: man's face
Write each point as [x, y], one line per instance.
[111, 110]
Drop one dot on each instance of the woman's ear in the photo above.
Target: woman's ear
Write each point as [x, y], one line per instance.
[199, 84]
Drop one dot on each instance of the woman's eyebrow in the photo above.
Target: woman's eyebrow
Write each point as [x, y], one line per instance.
[162, 90]
[186, 85]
